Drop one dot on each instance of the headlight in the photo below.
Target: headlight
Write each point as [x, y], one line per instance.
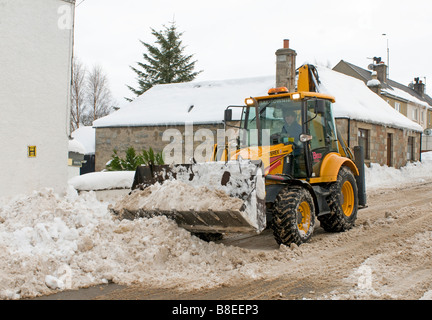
[249, 102]
[296, 96]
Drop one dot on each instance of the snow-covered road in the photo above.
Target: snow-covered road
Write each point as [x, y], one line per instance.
[50, 243]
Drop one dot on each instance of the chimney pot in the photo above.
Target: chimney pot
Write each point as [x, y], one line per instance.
[286, 44]
[419, 86]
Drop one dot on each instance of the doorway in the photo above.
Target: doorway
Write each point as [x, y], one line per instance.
[389, 149]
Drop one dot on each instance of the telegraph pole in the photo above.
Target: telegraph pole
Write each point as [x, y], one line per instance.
[388, 56]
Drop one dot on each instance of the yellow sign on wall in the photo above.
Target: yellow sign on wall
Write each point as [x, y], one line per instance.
[31, 151]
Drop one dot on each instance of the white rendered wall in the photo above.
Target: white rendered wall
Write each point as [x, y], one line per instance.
[35, 69]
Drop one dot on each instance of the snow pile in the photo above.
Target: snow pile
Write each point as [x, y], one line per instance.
[202, 187]
[176, 195]
[49, 243]
[106, 180]
[382, 176]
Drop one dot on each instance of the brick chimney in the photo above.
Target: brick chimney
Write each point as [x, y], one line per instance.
[381, 70]
[286, 67]
[374, 84]
[419, 86]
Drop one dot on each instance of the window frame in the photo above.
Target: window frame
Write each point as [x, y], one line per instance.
[398, 106]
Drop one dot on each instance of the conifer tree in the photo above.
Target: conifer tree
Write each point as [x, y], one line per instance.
[165, 61]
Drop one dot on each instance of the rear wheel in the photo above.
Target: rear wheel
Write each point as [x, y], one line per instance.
[343, 203]
[293, 216]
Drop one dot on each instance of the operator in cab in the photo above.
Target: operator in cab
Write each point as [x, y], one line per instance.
[291, 129]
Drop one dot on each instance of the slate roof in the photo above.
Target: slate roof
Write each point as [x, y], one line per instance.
[366, 75]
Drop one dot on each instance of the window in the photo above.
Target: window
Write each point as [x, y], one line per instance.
[363, 141]
[411, 149]
[271, 119]
[322, 128]
[415, 114]
[397, 106]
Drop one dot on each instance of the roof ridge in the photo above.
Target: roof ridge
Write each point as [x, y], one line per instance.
[391, 83]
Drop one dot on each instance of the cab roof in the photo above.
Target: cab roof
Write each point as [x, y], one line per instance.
[298, 96]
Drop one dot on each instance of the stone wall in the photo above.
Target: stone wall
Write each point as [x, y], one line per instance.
[184, 142]
[378, 142]
[179, 141]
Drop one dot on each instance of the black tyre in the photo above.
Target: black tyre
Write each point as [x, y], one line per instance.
[343, 203]
[293, 216]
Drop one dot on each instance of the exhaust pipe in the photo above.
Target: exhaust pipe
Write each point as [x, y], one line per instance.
[360, 179]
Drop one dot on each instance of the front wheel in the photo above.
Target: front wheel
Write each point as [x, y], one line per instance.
[293, 216]
[343, 203]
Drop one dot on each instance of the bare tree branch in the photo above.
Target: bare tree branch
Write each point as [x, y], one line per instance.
[78, 93]
[99, 97]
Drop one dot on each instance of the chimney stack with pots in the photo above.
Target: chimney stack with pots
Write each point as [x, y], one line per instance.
[381, 69]
[374, 84]
[419, 86]
[286, 67]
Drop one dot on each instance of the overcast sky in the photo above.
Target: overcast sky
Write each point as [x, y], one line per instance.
[233, 39]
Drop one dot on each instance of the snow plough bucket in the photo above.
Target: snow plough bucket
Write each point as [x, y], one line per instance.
[211, 197]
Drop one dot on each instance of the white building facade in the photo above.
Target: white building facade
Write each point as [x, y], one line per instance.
[36, 49]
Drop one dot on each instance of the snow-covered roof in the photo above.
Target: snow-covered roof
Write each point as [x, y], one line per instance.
[197, 102]
[86, 136]
[390, 87]
[76, 146]
[172, 103]
[396, 92]
[355, 100]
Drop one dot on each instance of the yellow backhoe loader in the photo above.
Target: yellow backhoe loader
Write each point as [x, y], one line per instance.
[289, 167]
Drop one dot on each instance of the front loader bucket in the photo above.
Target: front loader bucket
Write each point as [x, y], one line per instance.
[211, 197]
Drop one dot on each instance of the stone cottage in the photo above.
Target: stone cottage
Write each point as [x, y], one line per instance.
[363, 118]
[182, 113]
[410, 100]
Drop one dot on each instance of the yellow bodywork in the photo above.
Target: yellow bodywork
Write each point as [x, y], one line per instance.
[274, 156]
[271, 156]
[330, 166]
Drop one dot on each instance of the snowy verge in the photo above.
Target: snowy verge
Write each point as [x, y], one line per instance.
[388, 177]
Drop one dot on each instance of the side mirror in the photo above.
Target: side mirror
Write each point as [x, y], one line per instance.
[228, 115]
[319, 106]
